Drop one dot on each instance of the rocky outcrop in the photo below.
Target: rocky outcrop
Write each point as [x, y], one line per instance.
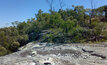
[51, 54]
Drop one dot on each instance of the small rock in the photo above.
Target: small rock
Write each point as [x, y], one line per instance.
[32, 63]
[34, 53]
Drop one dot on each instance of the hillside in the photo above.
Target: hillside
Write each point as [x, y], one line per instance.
[76, 25]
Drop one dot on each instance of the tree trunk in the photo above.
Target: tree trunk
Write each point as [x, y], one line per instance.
[105, 9]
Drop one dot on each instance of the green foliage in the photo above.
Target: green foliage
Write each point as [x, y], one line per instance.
[10, 38]
[54, 35]
[70, 25]
[14, 46]
[3, 51]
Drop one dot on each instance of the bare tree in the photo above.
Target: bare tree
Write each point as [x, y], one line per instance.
[92, 6]
[105, 9]
[92, 11]
[61, 4]
[50, 2]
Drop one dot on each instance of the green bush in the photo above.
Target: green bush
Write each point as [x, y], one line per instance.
[14, 46]
[54, 35]
[3, 51]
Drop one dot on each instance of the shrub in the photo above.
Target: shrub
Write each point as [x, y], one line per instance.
[3, 51]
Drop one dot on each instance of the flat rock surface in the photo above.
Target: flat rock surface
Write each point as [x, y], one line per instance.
[51, 54]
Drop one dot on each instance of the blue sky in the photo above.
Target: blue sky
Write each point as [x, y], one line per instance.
[21, 10]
